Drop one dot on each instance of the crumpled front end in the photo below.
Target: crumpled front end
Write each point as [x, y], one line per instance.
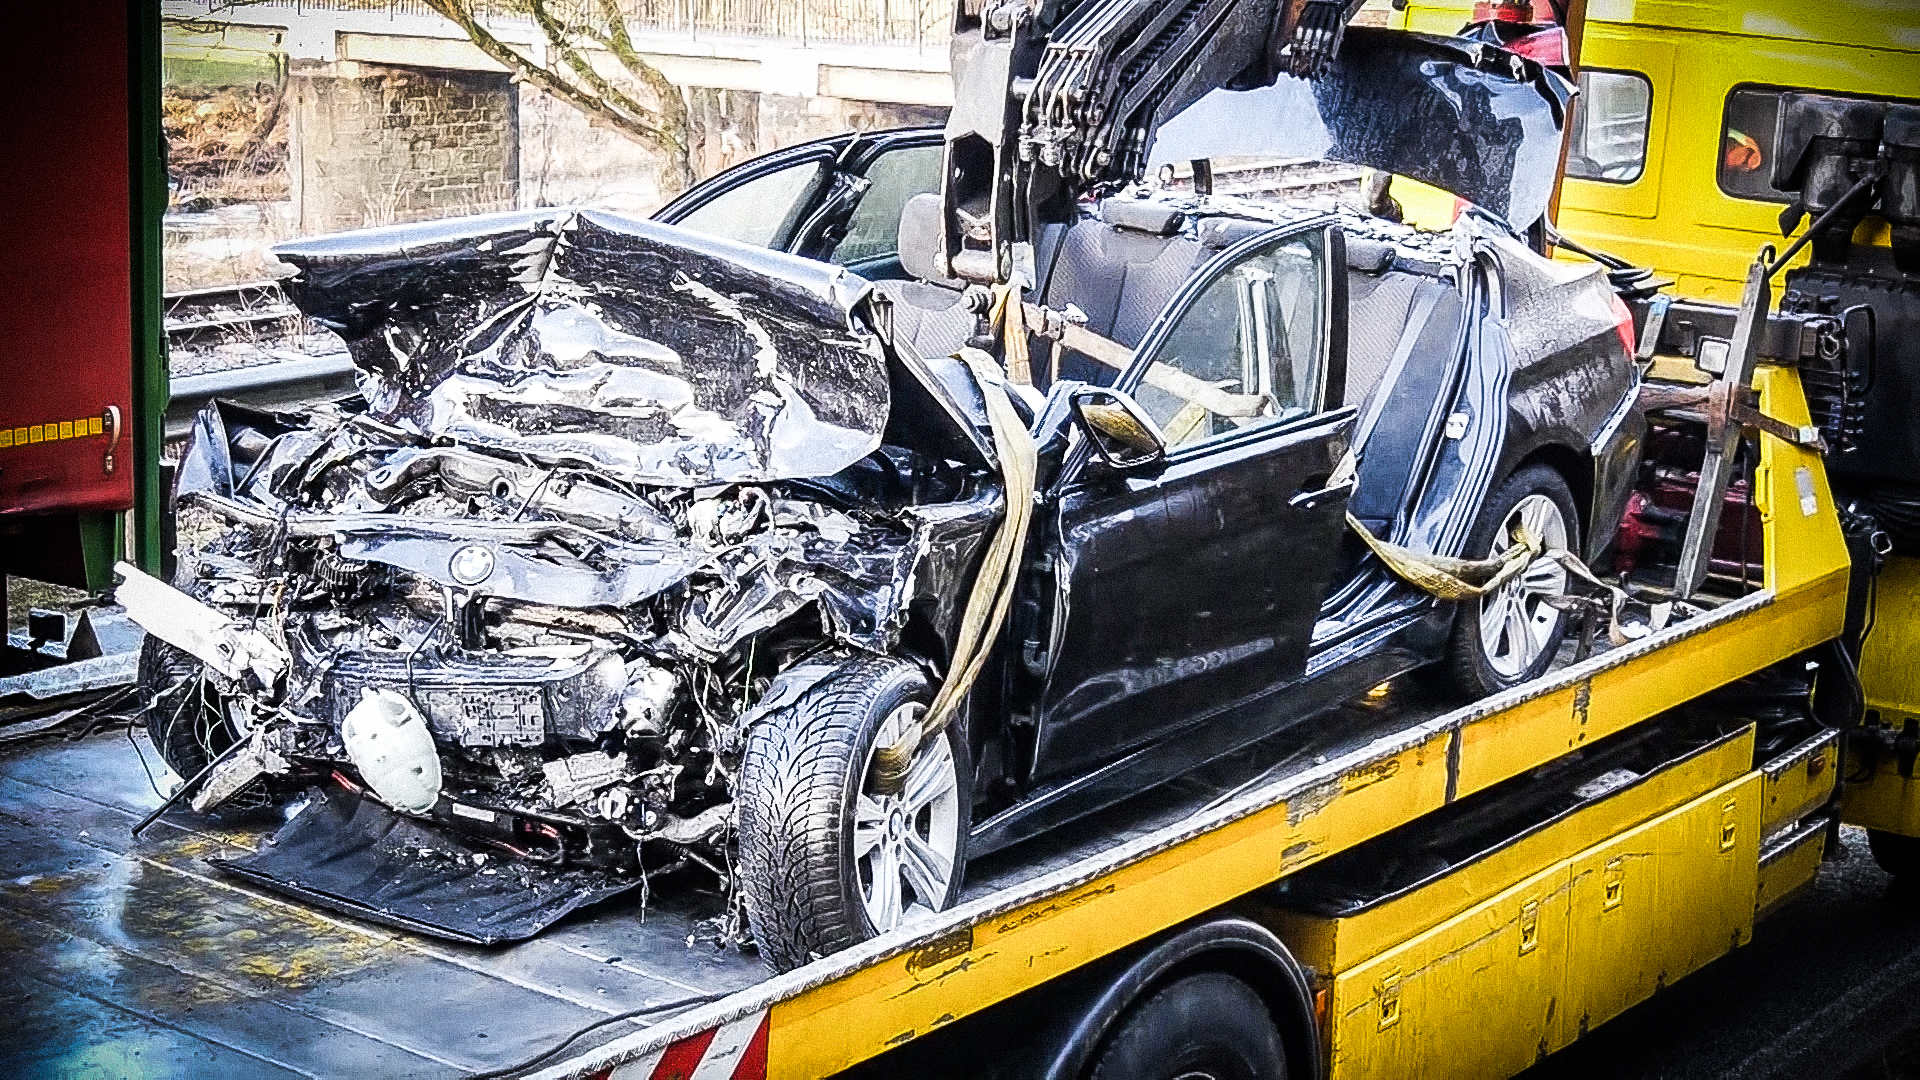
[545, 642]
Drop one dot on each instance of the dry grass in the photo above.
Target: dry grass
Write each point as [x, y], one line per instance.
[224, 246]
[225, 145]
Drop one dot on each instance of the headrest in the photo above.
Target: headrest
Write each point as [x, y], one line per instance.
[1368, 256]
[920, 239]
[1142, 215]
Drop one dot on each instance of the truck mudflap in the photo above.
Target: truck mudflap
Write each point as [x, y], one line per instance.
[348, 853]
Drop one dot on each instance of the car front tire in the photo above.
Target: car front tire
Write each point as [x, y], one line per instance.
[828, 857]
[187, 720]
[1512, 634]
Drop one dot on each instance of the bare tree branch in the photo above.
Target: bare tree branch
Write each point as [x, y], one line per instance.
[560, 43]
[570, 75]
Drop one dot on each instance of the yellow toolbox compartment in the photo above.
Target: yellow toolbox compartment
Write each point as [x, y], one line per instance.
[1578, 941]
[1799, 781]
[1788, 863]
[1659, 902]
[1331, 945]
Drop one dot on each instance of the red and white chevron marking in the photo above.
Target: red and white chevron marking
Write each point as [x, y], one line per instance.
[736, 1050]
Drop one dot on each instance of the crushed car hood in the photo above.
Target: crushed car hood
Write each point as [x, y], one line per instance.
[583, 337]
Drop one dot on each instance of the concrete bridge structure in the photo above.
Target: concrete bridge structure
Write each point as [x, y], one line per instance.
[395, 115]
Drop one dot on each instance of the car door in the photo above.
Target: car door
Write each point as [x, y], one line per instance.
[837, 200]
[1186, 592]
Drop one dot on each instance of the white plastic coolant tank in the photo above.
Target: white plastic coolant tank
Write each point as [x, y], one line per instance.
[388, 741]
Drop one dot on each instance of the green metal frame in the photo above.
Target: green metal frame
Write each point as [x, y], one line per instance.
[150, 384]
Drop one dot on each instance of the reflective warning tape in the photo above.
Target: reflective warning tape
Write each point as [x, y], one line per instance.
[736, 1050]
[52, 431]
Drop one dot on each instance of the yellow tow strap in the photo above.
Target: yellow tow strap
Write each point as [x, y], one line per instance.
[1448, 578]
[1467, 579]
[1008, 317]
[993, 587]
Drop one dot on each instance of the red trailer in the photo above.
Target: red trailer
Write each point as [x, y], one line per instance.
[82, 365]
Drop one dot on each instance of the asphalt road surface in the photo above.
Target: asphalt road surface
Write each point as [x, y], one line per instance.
[1829, 989]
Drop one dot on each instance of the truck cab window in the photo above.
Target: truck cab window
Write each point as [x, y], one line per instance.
[1611, 118]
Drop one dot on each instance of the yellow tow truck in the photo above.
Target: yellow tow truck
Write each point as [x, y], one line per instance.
[1421, 888]
[1458, 893]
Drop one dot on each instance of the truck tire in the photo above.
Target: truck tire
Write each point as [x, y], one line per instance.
[828, 859]
[1209, 1026]
[1898, 855]
[1512, 634]
[187, 719]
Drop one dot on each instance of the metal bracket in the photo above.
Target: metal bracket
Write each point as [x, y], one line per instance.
[1723, 428]
[1807, 436]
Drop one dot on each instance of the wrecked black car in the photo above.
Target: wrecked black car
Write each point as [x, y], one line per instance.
[650, 553]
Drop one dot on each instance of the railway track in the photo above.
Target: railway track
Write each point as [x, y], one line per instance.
[202, 316]
[273, 373]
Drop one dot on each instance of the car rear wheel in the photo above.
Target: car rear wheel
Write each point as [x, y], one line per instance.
[1512, 634]
[830, 855]
[1209, 1026]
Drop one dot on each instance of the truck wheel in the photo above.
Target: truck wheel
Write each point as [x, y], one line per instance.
[1897, 855]
[1511, 635]
[1209, 1026]
[187, 718]
[828, 858]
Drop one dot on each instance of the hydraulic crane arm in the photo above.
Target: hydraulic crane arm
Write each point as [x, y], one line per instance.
[1058, 99]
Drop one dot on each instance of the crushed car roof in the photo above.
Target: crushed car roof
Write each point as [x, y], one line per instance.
[1470, 119]
[655, 354]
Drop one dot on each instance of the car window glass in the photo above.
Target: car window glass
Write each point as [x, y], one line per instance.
[1610, 121]
[873, 232]
[758, 211]
[1248, 349]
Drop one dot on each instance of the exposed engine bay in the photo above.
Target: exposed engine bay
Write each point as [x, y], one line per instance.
[479, 603]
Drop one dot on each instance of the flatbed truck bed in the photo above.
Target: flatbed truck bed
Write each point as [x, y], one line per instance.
[193, 967]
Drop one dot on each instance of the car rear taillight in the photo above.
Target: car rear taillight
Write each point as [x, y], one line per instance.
[1623, 323]
[736, 1050]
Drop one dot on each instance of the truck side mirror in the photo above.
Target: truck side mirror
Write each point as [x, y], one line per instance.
[1122, 433]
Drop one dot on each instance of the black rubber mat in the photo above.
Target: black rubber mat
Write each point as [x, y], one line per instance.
[357, 857]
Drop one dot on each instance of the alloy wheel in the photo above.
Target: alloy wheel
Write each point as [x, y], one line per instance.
[905, 843]
[1517, 620]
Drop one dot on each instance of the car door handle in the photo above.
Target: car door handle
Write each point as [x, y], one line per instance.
[1308, 500]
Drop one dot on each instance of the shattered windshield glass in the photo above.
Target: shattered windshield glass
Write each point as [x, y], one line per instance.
[578, 336]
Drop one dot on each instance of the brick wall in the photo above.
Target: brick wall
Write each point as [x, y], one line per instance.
[374, 145]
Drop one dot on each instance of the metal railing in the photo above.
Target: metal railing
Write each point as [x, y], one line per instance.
[919, 23]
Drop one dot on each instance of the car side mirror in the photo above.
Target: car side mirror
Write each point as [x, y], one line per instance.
[1122, 433]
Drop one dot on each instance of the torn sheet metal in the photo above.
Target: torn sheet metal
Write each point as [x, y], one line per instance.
[659, 355]
[1465, 117]
[352, 855]
[215, 639]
